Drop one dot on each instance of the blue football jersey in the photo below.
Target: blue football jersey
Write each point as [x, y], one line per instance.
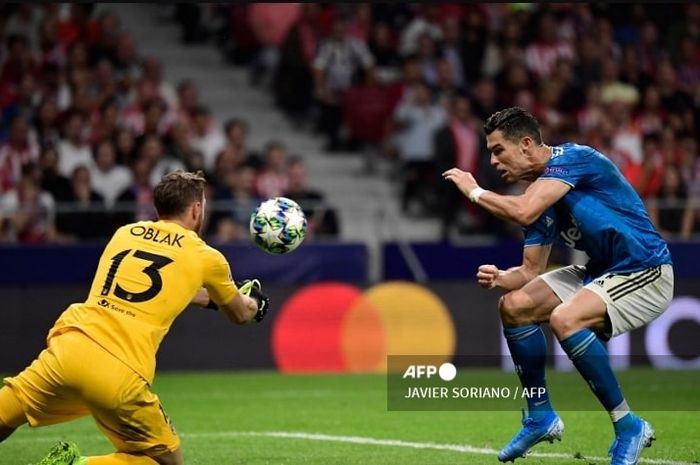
[601, 215]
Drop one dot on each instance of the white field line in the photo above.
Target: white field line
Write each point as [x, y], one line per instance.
[369, 441]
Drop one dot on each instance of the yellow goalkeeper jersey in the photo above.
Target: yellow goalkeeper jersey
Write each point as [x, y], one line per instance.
[148, 273]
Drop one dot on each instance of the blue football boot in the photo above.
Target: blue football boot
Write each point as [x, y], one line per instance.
[628, 444]
[533, 431]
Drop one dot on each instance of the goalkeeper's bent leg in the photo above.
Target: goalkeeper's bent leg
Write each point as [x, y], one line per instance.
[11, 413]
[119, 458]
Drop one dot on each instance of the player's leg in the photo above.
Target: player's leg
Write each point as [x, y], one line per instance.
[128, 413]
[11, 413]
[612, 305]
[169, 458]
[67, 453]
[522, 312]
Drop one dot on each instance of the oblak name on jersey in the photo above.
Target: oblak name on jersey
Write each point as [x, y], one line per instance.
[155, 236]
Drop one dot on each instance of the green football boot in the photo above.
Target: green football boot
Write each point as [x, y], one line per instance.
[63, 453]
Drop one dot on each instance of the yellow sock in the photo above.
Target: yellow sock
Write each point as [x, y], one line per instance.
[121, 459]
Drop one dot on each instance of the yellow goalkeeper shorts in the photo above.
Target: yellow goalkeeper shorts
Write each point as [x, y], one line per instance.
[75, 377]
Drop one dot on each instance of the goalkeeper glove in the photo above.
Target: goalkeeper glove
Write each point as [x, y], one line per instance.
[253, 289]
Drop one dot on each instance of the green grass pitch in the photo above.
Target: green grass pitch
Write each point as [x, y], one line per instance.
[256, 418]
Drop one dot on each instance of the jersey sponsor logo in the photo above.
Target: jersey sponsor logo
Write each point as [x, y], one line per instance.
[154, 235]
[571, 234]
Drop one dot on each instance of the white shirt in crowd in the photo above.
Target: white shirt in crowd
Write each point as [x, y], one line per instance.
[70, 156]
[109, 184]
[420, 123]
[210, 145]
[164, 166]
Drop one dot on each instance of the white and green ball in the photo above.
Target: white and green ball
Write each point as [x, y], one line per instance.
[278, 225]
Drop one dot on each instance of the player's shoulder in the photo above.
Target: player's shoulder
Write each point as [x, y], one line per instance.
[571, 151]
[205, 251]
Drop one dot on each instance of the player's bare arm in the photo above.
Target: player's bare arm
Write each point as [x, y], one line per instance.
[201, 298]
[535, 260]
[522, 209]
[240, 310]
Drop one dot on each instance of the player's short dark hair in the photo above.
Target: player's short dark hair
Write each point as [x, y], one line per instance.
[178, 190]
[515, 123]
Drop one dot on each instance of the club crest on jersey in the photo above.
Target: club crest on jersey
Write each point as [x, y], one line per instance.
[557, 152]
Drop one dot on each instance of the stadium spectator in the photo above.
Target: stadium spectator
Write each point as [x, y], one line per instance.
[125, 144]
[293, 82]
[26, 211]
[19, 60]
[206, 136]
[46, 123]
[51, 180]
[485, 100]
[322, 220]
[126, 60]
[428, 55]
[178, 146]
[73, 151]
[340, 58]
[238, 199]
[417, 119]
[272, 180]
[25, 20]
[270, 23]
[689, 64]
[236, 132]
[152, 70]
[382, 46]
[669, 209]
[106, 177]
[187, 99]
[474, 41]
[161, 163]
[23, 100]
[458, 143]
[16, 152]
[84, 216]
[426, 21]
[135, 202]
[589, 117]
[453, 49]
[542, 54]
[651, 116]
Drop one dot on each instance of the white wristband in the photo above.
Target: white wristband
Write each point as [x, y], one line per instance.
[476, 193]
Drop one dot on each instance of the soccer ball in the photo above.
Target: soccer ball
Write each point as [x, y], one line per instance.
[278, 225]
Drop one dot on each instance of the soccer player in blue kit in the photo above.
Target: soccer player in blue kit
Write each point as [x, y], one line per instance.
[579, 198]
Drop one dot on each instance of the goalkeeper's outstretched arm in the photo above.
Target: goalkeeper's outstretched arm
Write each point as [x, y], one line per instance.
[240, 310]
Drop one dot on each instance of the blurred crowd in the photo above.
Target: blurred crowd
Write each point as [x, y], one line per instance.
[89, 125]
[413, 83]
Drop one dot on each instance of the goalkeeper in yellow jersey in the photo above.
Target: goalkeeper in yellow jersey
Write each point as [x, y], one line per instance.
[100, 355]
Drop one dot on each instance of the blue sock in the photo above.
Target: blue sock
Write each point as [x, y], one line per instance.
[528, 347]
[591, 360]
